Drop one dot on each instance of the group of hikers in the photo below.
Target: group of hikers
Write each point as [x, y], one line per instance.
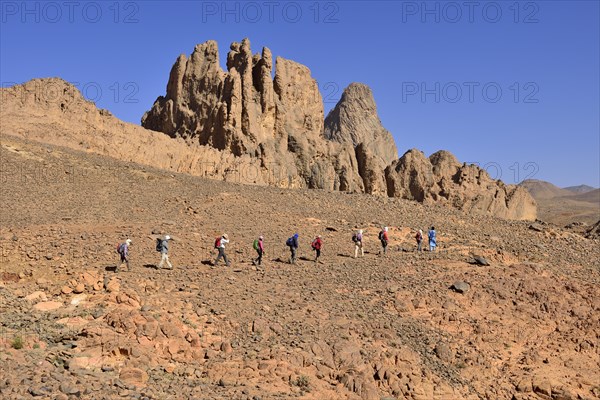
[162, 246]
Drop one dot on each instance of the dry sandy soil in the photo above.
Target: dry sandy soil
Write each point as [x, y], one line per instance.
[379, 327]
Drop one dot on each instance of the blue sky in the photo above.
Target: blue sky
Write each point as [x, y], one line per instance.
[513, 86]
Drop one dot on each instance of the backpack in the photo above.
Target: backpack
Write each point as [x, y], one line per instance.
[355, 238]
[289, 242]
[315, 244]
[380, 235]
[418, 236]
[217, 242]
[255, 244]
[159, 245]
[119, 248]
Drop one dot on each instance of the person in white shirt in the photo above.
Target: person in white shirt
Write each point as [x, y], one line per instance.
[221, 247]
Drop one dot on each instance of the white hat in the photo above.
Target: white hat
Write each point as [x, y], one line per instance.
[385, 228]
[128, 241]
[360, 231]
[167, 237]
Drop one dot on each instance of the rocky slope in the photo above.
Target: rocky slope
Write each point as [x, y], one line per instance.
[388, 326]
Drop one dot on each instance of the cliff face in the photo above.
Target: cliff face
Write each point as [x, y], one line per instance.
[246, 112]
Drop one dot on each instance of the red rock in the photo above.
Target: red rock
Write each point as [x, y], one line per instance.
[47, 306]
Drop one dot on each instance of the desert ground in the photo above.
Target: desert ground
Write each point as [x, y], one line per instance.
[526, 326]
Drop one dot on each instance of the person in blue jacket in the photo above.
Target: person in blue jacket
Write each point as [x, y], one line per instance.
[432, 239]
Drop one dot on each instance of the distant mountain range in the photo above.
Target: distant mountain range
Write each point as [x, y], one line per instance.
[580, 189]
[564, 205]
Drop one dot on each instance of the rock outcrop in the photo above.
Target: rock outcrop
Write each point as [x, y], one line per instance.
[354, 120]
[442, 179]
[594, 231]
[246, 112]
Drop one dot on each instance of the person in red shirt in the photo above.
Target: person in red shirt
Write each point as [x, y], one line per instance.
[316, 245]
[383, 237]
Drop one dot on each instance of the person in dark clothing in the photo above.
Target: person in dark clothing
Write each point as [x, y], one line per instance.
[292, 243]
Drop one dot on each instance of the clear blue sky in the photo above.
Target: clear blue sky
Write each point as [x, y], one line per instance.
[435, 68]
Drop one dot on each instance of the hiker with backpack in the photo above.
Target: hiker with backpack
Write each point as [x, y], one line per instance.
[357, 238]
[260, 250]
[383, 238]
[419, 239]
[220, 243]
[292, 243]
[123, 251]
[432, 239]
[316, 246]
[162, 246]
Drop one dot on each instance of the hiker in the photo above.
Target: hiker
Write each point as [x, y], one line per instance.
[292, 243]
[316, 245]
[260, 250]
[383, 237]
[419, 239]
[220, 245]
[432, 239]
[357, 238]
[162, 246]
[123, 251]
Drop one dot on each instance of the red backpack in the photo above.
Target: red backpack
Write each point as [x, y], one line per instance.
[217, 242]
[316, 244]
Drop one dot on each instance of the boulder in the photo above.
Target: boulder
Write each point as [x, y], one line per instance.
[133, 376]
[460, 287]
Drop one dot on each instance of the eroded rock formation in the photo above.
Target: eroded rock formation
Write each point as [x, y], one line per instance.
[245, 125]
[442, 179]
[245, 111]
